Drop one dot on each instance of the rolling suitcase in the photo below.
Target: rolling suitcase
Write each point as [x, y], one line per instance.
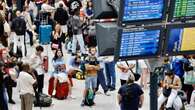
[51, 86]
[45, 34]
[62, 90]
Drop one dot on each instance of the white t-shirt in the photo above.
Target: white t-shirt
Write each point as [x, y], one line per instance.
[123, 75]
[25, 83]
[36, 63]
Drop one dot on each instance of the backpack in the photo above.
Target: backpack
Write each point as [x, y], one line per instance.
[89, 100]
[43, 101]
[177, 67]
[19, 26]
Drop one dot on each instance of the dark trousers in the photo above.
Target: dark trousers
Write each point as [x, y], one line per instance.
[123, 82]
[31, 37]
[101, 80]
[40, 81]
[188, 90]
[110, 74]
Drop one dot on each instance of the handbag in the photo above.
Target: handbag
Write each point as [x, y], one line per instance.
[167, 92]
[6, 27]
[55, 46]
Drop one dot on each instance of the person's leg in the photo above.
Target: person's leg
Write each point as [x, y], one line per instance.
[113, 75]
[16, 38]
[111, 67]
[94, 83]
[22, 41]
[101, 80]
[40, 83]
[108, 81]
[171, 98]
[192, 100]
[54, 85]
[87, 87]
[74, 44]
[28, 101]
[98, 83]
[31, 37]
[161, 100]
[189, 92]
[22, 102]
[177, 103]
[81, 43]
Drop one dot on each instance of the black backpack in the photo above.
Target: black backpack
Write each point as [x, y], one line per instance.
[42, 101]
[19, 26]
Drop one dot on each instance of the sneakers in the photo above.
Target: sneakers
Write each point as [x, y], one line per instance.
[112, 89]
[106, 93]
[12, 102]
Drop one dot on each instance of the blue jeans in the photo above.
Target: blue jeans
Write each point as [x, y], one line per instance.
[101, 80]
[91, 81]
[110, 74]
[3, 99]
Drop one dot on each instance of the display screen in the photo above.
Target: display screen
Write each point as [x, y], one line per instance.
[181, 40]
[136, 10]
[184, 8]
[140, 43]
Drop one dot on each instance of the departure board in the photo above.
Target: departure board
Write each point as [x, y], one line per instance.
[182, 9]
[136, 10]
[141, 43]
[181, 40]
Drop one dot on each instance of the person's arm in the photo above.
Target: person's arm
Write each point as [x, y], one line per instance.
[177, 84]
[141, 98]
[96, 67]
[89, 67]
[119, 98]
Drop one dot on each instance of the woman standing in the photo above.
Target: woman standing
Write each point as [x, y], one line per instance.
[57, 38]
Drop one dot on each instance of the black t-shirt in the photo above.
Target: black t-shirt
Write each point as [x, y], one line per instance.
[130, 96]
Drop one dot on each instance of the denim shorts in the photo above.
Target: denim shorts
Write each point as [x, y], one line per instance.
[91, 81]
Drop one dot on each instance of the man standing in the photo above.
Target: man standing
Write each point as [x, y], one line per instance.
[130, 95]
[19, 27]
[61, 16]
[111, 75]
[92, 67]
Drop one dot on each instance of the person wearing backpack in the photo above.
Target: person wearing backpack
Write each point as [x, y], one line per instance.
[92, 67]
[19, 27]
[130, 95]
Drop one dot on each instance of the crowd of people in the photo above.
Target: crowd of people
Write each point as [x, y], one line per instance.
[72, 36]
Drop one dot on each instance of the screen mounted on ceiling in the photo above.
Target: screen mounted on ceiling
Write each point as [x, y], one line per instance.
[141, 11]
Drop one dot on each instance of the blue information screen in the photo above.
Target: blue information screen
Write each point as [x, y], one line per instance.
[135, 10]
[142, 43]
